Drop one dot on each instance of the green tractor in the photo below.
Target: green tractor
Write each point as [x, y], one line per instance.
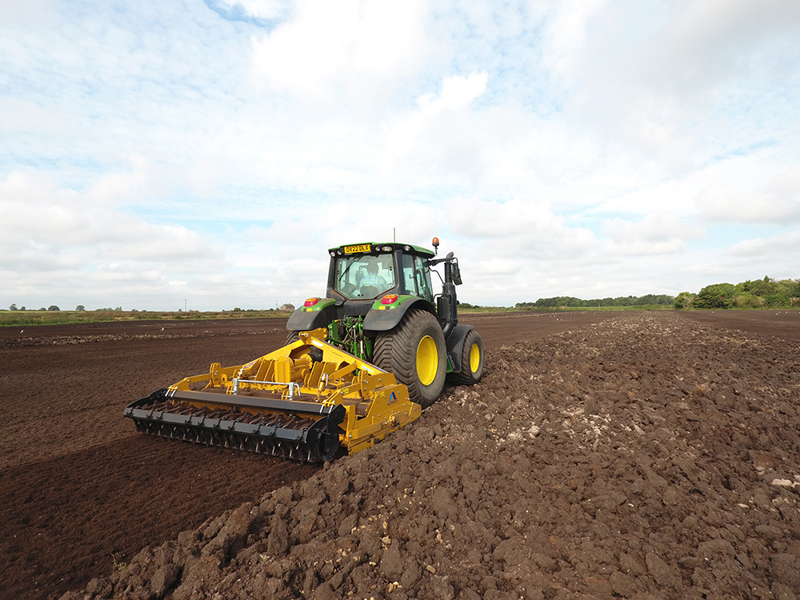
[381, 308]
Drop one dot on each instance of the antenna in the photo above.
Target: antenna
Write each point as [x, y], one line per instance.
[394, 234]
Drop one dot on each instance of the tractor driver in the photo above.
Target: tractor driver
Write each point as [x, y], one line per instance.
[373, 279]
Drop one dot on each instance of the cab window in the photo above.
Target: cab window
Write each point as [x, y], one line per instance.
[423, 278]
[409, 276]
[364, 275]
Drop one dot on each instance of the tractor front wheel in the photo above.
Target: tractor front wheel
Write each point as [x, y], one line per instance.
[415, 353]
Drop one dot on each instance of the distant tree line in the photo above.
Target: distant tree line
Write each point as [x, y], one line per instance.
[761, 293]
[571, 302]
[287, 307]
[52, 307]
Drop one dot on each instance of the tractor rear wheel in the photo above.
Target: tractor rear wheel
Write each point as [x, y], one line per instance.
[415, 352]
[471, 361]
[294, 336]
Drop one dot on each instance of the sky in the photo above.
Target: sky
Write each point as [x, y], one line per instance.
[205, 154]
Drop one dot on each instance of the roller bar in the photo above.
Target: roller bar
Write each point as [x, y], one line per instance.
[292, 434]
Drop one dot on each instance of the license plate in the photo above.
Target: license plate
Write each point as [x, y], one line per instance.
[358, 248]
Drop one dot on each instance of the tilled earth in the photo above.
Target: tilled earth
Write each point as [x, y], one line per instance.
[80, 490]
[633, 455]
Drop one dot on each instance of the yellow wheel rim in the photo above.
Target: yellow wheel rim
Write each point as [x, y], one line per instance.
[427, 360]
[474, 358]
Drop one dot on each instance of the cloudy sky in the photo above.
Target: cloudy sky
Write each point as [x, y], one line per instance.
[206, 153]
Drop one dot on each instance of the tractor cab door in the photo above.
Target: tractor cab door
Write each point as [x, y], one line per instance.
[417, 278]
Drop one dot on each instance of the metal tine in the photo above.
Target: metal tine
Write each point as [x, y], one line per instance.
[230, 439]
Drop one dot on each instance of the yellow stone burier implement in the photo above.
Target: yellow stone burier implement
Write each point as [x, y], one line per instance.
[308, 400]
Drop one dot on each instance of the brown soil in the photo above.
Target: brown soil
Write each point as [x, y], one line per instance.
[603, 455]
[779, 323]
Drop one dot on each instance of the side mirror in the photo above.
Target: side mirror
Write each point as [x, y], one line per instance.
[455, 272]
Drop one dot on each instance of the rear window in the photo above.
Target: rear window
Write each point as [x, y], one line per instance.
[364, 275]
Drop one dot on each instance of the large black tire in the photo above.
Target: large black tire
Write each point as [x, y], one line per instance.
[415, 352]
[471, 361]
[293, 337]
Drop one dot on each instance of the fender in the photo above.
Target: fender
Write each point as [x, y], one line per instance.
[308, 318]
[378, 320]
[455, 345]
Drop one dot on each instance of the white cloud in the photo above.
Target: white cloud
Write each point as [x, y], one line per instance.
[779, 245]
[457, 93]
[567, 37]
[656, 233]
[661, 79]
[734, 206]
[260, 9]
[716, 40]
[350, 48]
[44, 225]
[518, 230]
[442, 133]
[764, 200]
[18, 116]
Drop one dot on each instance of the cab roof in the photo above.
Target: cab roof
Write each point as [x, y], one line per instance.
[379, 247]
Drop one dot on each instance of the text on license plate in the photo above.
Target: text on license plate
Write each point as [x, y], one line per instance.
[358, 248]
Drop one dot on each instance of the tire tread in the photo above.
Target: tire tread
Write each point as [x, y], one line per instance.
[395, 352]
[466, 377]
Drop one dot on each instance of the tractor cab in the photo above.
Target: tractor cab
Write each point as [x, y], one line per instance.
[371, 271]
[378, 283]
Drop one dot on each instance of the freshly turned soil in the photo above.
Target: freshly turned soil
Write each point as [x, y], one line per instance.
[603, 455]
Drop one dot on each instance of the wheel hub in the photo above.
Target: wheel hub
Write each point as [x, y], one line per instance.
[427, 360]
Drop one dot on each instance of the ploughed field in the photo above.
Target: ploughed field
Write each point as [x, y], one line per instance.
[603, 455]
